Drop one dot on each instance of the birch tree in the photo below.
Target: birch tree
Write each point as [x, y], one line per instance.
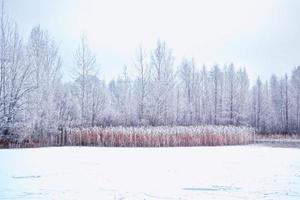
[188, 78]
[124, 103]
[276, 103]
[142, 82]
[42, 53]
[15, 74]
[231, 94]
[286, 103]
[257, 104]
[216, 78]
[160, 110]
[85, 68]
[295, 87]
[242, 88]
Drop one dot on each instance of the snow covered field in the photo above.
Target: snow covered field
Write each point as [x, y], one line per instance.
[232, 172]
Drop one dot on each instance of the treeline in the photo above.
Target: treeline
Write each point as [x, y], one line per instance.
[35, 100]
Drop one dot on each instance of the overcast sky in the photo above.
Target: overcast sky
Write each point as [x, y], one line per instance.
[263, 36]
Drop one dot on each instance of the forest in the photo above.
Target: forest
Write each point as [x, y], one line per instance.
[35, 100]
[150, 100]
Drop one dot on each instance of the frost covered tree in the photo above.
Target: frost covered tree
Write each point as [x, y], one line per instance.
[242, 87]
[42, 53]
[263, 106]
[162, 83]
[188, 81]
[15, 73]
[285, 85]
[95, 99]
[85, 79]
[265, 114]
[295, 99]
[257, 104]
[231, 95]
[216, 79]
[123, 101]
[276, 103]
[33, 95]
[141, 83]
[67, 108]
[99, 100]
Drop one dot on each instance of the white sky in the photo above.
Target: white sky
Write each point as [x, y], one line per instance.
[263, 36]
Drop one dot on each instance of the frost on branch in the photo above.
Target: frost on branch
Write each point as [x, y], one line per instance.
[162, 91]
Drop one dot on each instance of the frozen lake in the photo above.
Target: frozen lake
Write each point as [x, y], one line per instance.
[233, 172]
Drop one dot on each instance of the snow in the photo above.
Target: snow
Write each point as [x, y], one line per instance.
[232, 172]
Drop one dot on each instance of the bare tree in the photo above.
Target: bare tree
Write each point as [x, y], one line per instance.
[4, 60]
[188, 77]
[162, 85]
[257, 104]
[295, 91]
[42, 53]
[286, 104]
[15, 73]
[142, 79]
[85, 67]
[217, 86]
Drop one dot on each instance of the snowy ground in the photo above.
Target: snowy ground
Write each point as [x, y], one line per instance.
[236, 172]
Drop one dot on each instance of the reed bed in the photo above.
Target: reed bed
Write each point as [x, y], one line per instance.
[147, 137]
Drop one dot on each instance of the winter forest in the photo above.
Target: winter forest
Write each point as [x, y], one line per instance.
[152, 100]
[34, 98]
